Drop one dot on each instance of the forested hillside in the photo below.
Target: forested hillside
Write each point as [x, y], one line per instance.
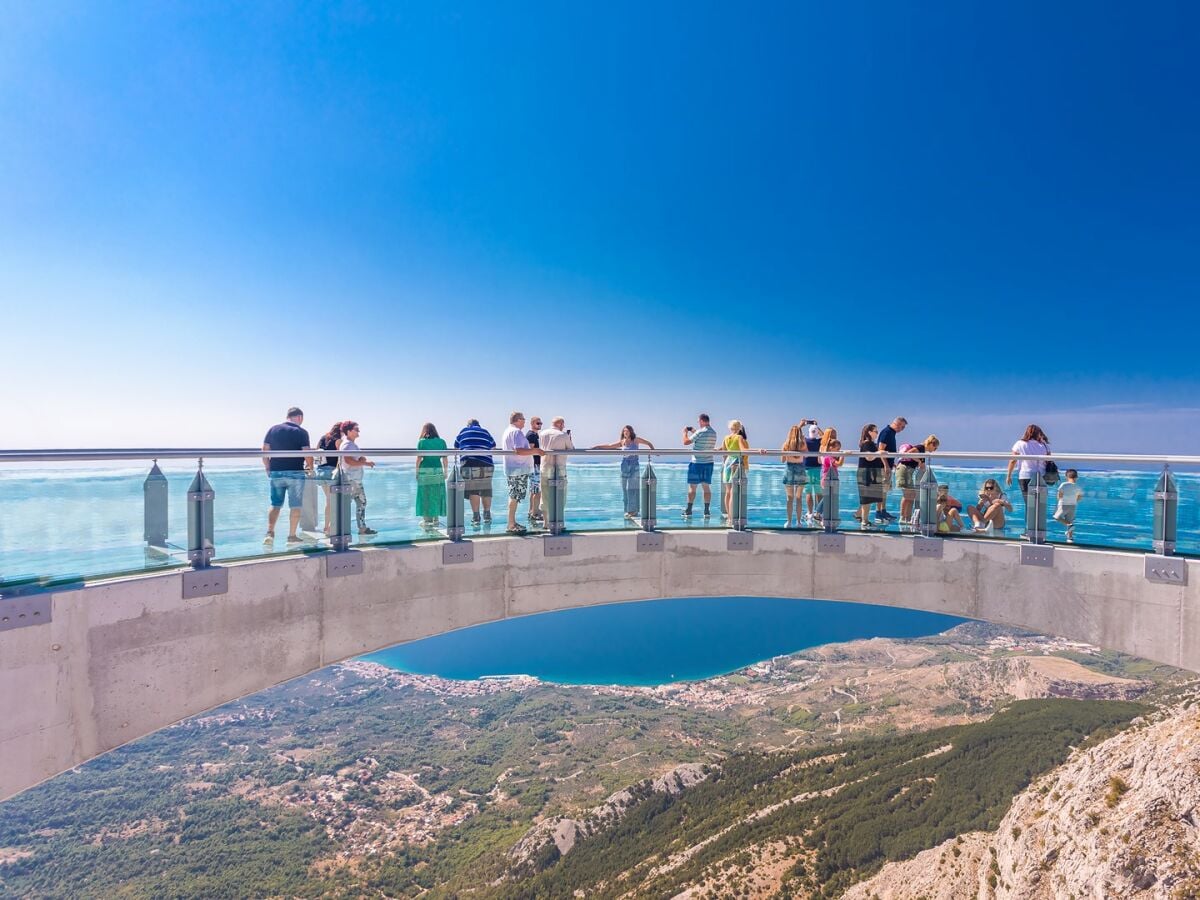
[839, 815]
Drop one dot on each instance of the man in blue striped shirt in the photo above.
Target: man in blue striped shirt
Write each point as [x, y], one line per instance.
[477, 469]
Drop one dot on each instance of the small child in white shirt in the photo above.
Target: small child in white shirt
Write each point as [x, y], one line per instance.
[1069, 493]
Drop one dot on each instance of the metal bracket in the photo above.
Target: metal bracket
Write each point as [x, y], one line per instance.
[739, 540]
[556, 545]
[1166, 569]
[17, 612]
[928, 547]
[1037, 555]
[831, 543]
[208, 582]
[458, 552]
[649, 541]
[348, 562]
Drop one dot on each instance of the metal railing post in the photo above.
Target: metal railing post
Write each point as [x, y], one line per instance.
[308, 505]
[737, 501]
[339, 511]
[831, 512]
[554, 494]
[1035, 509]
[649, 498]
[455, 498]
[154, 491]
[200, 548]
[927, 488]
[1166, 513]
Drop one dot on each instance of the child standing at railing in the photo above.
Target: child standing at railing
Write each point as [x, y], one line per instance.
[1069, 493]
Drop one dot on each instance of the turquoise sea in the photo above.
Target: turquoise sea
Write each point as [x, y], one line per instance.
[65, 522]
[653, 642]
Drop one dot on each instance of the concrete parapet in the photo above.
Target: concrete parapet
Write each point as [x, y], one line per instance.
[121, 659]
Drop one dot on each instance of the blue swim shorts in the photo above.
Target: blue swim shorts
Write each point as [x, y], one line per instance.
[287, 484]
[700, 473]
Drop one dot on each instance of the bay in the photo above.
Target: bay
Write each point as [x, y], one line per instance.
[653, 642]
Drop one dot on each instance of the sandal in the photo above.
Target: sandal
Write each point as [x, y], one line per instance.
[516, 529]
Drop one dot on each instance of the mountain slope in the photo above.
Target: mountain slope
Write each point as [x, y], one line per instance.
[832, 817]
[1118, 820]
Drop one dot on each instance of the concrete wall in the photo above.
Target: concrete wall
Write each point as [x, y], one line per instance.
[124, 658]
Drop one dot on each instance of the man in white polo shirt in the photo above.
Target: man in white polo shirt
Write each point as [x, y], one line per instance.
[518, 468]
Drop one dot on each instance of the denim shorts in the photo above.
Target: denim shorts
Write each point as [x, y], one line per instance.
[287, 484]
[794, 474]
[699, 473]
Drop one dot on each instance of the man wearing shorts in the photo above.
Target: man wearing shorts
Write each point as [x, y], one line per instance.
[887, 442]
[286, 473]
[477, 469]
[535, 477]
[517, 468]
[812, 471]
[700, 469]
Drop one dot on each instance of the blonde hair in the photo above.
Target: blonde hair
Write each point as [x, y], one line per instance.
[828, 437]
[735, 425]
[793, 439]
[933, 441]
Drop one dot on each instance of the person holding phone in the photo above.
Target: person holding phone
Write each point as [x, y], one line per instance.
[702, 440]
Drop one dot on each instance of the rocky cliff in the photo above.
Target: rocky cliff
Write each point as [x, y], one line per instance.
[1117, 820]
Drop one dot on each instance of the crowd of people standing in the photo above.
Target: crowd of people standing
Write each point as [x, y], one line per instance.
[809, 454]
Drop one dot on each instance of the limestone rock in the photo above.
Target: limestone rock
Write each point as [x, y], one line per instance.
[1116, 820]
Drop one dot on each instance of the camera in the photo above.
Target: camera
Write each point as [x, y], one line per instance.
[688, 428]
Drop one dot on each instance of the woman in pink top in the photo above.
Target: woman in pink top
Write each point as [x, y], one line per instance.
[829, 460]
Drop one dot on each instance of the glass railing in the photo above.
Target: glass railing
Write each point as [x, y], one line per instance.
[76, 515]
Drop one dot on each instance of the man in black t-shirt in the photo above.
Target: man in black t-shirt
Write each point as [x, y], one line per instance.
[286, 473]
[535, 480]
[887, 441]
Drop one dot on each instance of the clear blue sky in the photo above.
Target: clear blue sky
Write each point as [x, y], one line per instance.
[971, 214]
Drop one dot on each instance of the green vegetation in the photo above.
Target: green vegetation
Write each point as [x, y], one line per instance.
[884, 799]
[1110, 662]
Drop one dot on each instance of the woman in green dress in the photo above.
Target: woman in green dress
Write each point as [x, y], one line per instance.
[431, 478]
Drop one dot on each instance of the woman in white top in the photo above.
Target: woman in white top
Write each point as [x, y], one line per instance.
[1032, 443]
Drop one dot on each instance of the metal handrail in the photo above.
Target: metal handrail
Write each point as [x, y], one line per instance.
[100, 455]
